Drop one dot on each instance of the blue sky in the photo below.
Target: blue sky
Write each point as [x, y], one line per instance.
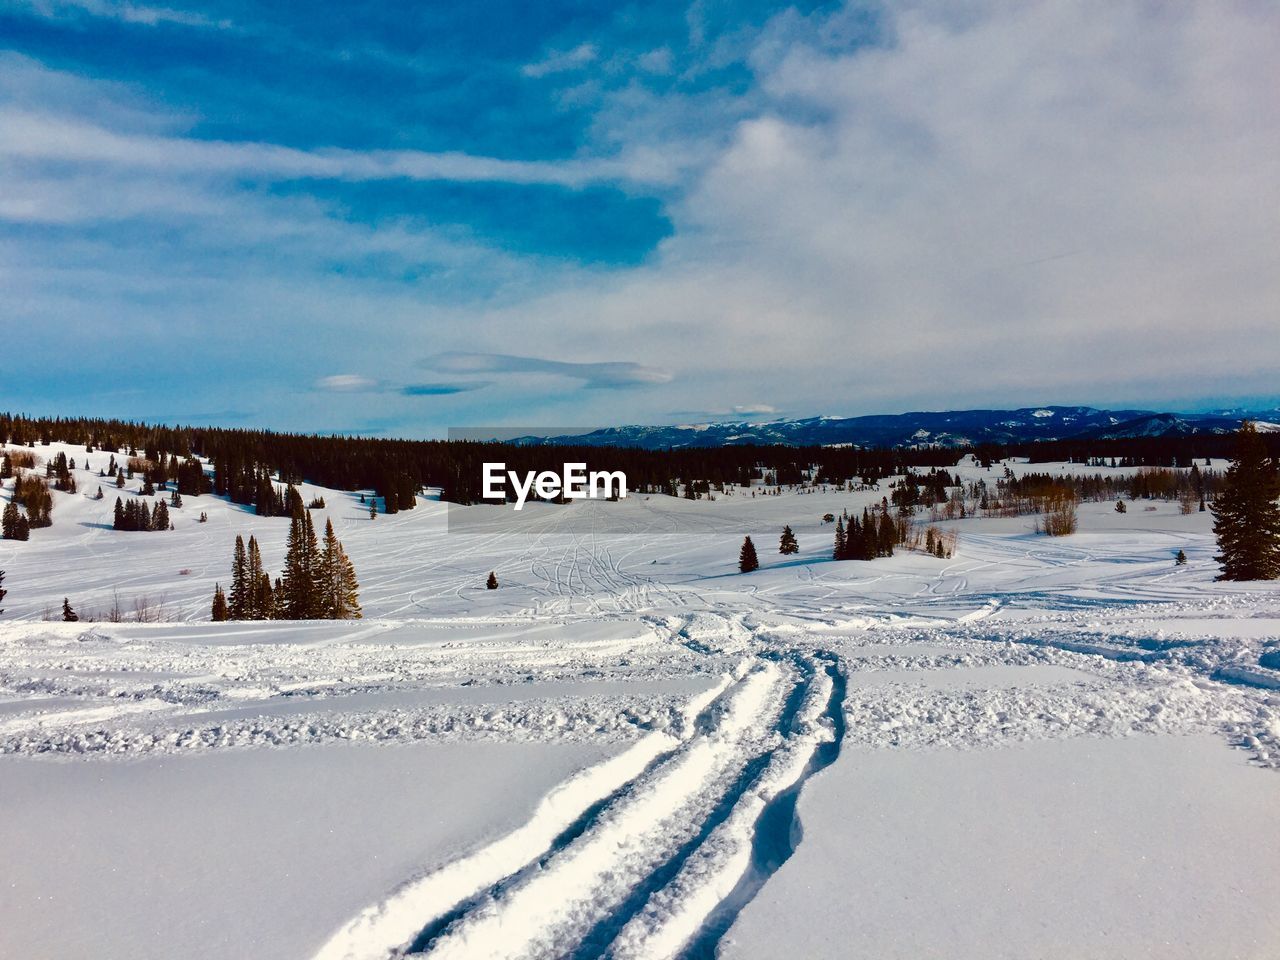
[389, 218]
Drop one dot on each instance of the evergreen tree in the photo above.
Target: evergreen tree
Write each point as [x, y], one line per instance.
[838, 551]
[261, 604]
[1246, 514]
[219, 613]
[301, 575]
[117, 522]
[747, 559]
[888, 534]
[68, 615]
[373, 507]
[339, 590]
[870, 545]
[23, 529]
[1180, 558]
[9, 522]
[492, 582]
[238, 607]
[1120, 507]
[787, 542]
[160, 518]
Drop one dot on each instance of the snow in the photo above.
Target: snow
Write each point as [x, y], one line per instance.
[1039, 745]
[247, 853]
[1155, 847]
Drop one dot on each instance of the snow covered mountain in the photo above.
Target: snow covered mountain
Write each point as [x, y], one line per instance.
[952, 428]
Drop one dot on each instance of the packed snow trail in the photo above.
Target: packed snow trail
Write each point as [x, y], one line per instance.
[689, 915]
[386, 927]
[556, 906]
[634, 856]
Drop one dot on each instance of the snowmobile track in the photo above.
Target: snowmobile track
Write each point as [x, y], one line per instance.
[717, 799]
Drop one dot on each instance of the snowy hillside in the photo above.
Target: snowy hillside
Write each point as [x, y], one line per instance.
[1062, 746]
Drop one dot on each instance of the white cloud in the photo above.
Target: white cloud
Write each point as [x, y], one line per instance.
[347, 383]
[561, 61]
[124, 12]
[35, 136]
[1001, 203]
[1026, 202]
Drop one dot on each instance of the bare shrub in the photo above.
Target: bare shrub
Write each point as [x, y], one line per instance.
[1059, 520]
[21, 459]
[146, 610]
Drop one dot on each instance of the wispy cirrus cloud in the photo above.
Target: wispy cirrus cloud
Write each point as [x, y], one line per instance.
[133, 13]
[561, 61]
[47, 138]
[608, 375]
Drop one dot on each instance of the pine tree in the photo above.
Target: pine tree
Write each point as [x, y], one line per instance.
[160, 518]
[492, 582]
[301, 576]
[1246, 514]
[787, 542]
[339, 589]
[238, 607]
[854, 540]
[9, 522]
[261, 605]
[373, 507]
[117, 522]
[839, 550]
[1120, 507]
[747, 559]
[870, 547]
[888, 534]
[68, 615]
[219, 612]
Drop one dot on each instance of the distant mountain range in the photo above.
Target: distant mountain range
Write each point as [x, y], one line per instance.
[955, 428]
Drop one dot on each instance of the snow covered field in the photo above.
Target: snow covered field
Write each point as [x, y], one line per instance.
[1042, 747]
